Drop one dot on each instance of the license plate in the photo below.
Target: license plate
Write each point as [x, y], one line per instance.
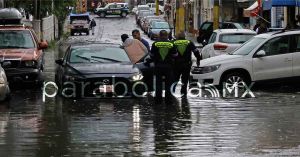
[106, 89]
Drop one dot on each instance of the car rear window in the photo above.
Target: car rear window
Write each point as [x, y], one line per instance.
[98, 54]
[206, 26]
[161, 25]
[16, 39]
[143, 8]
[235, 38]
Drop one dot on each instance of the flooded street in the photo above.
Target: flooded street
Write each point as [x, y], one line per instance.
[267, 125]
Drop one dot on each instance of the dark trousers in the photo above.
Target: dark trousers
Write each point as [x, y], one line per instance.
[163, 74]
[182, 70]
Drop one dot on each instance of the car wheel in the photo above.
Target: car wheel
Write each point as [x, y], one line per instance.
[123, 14]
[102, 15]
[235, 80]
[87, 32]
[72, 33]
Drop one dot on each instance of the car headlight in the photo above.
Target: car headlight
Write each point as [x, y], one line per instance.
[30, 63]
[72, 76]
[137, 77]
[205, 69]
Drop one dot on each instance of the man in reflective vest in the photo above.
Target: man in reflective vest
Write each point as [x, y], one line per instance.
[183, 61]
[163, 54]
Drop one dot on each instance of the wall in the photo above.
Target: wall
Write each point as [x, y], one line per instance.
[48, 28]
[1, 3]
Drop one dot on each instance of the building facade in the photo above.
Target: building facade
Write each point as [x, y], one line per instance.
[1, 3]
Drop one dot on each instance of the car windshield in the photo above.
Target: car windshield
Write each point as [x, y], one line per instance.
[205, 26]
[161, 25]
[247, 47]
[98, 54]
[147, 14]
[235, 38]
[143, 8]
[16, 39]
[239, 26]
[79, 18]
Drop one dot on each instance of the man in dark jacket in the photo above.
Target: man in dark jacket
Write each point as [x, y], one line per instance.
[183, 61]
[162, 54]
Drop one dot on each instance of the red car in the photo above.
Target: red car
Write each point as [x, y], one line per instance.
[21, 54]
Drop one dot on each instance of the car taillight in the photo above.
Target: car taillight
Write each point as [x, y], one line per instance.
[220, 46]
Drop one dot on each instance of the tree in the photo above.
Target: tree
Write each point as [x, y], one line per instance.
[61, 11]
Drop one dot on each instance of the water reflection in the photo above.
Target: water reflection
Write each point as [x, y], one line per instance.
[168, 121]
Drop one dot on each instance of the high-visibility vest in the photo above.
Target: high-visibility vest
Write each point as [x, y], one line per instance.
[181, 46]
[164, 48]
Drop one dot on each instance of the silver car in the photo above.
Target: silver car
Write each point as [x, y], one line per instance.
[223, 41]
[4, 88]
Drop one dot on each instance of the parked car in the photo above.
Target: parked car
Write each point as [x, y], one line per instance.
[206, 29]
[21, 51]
[120, 9]
[145, 21]
[142, 8]
[134, 10]
[266, 57]
[80, 23]
[4, 88]
[157, 26]
[223, 41]
[141, 15]
[101, 66]
[153, 8]
[148, 22]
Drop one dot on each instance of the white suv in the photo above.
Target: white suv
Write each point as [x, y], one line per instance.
[270, 56]
[223, 41]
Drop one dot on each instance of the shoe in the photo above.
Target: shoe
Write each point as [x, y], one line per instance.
[92, 33]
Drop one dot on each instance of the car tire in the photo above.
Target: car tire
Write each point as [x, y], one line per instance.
[233, 79]
[123, 14]
[72, 33]
[102, 15]
[87, 32]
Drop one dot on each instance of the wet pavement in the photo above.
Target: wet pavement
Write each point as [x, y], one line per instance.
[267, 125]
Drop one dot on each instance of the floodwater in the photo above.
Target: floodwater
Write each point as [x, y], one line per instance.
[267, 125]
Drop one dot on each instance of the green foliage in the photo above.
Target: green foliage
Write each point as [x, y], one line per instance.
[61, 8]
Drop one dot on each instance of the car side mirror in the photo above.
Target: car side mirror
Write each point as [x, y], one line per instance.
[43, 45]
[59, 61]
[261, 53]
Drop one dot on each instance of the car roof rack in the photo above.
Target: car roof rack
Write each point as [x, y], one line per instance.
[285, 30]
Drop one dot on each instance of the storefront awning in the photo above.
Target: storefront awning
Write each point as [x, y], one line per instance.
[253, 10]
[285, 2]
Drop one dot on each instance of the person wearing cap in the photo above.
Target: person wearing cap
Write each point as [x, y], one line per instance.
[183, 61]
[163, 54]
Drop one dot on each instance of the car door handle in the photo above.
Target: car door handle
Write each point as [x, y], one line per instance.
[288, 60]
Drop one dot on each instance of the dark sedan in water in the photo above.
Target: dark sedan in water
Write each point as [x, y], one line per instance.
[98, 70]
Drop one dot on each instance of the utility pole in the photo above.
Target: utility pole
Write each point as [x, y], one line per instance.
[216, 13]
[157, 7]
[221, 10]
[35, 9]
